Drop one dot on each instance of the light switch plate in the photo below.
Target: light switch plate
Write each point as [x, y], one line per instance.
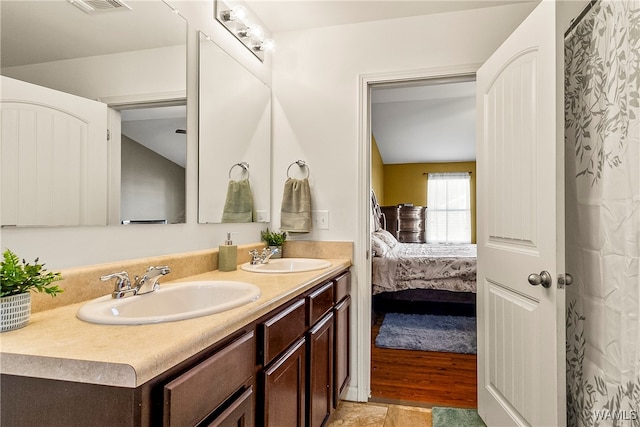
[262, 216]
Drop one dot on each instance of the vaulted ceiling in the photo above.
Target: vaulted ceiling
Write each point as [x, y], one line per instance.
[425, 122]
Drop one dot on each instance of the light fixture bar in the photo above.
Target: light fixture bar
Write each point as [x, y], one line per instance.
[247, 30]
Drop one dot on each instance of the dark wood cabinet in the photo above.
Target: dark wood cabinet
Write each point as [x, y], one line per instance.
[282, 329]
[342, 321]
[320, 368]
[407, 223]
[287, 368]
[285, 388]
[326, 357]
[194, 395]
[341, 348]
[240, 413]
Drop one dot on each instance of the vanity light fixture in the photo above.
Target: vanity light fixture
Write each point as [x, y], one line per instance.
[237, 21]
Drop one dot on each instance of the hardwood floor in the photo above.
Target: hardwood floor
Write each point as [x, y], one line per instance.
[421, 377]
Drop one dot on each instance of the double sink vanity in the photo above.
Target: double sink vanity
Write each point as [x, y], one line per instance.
[251, 348]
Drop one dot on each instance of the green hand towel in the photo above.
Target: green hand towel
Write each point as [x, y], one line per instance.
[238, 206]
[295, 215]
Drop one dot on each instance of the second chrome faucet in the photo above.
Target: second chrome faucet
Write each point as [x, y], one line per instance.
[264, 257]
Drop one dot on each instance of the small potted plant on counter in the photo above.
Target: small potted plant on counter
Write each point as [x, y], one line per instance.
[274, 240]
[17, 278]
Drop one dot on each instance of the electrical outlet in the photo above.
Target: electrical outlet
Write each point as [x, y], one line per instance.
[320, 220]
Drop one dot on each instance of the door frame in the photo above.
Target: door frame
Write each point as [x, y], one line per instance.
[362, 263]
[115, 104]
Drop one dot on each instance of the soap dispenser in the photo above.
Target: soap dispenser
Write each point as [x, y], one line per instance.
[228, 255]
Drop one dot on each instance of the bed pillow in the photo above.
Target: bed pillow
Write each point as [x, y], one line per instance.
[378, 247]
[386, 237]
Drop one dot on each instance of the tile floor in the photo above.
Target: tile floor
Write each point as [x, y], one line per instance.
[379, 415]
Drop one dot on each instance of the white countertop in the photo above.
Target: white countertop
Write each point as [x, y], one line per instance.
[57, 345]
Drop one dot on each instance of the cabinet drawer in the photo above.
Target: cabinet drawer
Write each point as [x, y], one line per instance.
[282, 330]
[342, 286]
[195, 394]
[320, 302]
[239, 413]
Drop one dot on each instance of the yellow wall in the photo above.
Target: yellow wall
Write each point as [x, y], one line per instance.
[407, 183]
[377, 171]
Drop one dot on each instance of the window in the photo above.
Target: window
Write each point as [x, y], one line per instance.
[449, 208]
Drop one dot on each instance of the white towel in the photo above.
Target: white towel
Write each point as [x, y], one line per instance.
[296, 206]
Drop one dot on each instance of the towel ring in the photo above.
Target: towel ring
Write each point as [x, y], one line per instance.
[243, 165]
[301, 164]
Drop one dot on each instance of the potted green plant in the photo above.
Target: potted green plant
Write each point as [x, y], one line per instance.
[17, 278]
[274, 239]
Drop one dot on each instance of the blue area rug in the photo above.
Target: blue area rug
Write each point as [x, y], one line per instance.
[455, 417]
[426, 332]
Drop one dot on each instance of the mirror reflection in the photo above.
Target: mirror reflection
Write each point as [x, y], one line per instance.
[153, 162]
[234, 140]
[120, 56]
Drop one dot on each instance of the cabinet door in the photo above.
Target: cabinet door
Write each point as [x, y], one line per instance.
[342, 375]
[321, 371]
[284, 388]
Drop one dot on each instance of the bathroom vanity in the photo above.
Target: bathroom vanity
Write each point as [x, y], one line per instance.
[282, 360]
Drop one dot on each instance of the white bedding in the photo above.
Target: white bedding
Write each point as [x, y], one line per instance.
[450, 267]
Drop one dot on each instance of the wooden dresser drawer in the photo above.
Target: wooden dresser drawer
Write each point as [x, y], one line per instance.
[195, 394]
[342, 286]
[282, 330]
[320, 302]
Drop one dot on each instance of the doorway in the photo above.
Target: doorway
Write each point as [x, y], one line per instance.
[149, 162]
[404, 145]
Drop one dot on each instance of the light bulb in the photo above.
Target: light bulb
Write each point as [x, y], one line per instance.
[239, 14]
[256, 32]
[267, 45]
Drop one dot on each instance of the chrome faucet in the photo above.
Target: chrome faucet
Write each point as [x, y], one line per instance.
[123, 284]
[143, 285]
[262, 258]
[149, 281]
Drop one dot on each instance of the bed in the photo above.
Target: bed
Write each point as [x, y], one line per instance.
[431, 272]
[450, 267]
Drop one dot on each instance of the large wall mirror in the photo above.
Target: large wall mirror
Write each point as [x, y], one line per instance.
[234, 140]
[128, 57]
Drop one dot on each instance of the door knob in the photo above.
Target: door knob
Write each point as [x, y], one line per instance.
[544, 279]
[565, 279]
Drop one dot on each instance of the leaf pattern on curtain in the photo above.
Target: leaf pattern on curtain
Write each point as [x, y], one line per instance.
[602, 159]
[602, 81]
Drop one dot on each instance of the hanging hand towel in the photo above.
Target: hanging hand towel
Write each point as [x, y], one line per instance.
[296, 206]
[238, 207]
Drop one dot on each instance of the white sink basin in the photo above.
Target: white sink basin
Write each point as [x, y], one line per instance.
[287, 265]
[178, 301]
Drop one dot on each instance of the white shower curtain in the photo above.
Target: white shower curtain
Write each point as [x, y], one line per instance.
[602, 135]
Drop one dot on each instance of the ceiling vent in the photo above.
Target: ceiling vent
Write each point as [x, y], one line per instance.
[99, 6]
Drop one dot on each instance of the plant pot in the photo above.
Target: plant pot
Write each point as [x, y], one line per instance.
[14, 311]
[277, 254]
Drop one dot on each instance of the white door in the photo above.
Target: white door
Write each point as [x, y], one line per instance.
[54, 157]
[521, 330]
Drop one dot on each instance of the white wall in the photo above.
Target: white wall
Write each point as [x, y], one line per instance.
[153, 192]
[315, 88]
[317, 119]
